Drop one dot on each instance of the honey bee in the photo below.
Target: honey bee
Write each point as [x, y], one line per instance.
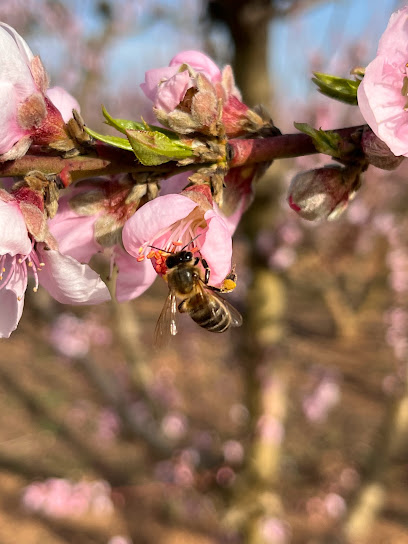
[200, 300]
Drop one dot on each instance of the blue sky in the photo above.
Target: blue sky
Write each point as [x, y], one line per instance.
[320, 36]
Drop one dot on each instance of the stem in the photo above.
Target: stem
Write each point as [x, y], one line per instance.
[245, 152]
[110, 160]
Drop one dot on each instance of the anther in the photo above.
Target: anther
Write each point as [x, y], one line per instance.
[140, 259]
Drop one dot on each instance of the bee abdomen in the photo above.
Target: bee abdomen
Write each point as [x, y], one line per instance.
[213, 316]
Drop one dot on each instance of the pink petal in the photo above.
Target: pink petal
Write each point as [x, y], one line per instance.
[174, 184]
[68, 281]
[14, 238]
[15, 56]
[154, 77]
[382, 105]
[395, 35]
[200, 63]
[12, 300]
[22, 45]
[10, 132]
[63, 101]
[216, 247]
[171, 92]
[134, 277]
[74, 233]
[152, 218]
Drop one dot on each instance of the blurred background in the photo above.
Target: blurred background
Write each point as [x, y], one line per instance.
[292, 429]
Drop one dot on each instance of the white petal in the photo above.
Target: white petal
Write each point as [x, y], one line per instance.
[15, 56]
[12, 300]
[70, 282]
[14, 238]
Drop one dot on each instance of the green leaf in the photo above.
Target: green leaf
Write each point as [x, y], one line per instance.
[153, 148]
[339, 88]
[122, 143]
[122, 125]
[325, 141]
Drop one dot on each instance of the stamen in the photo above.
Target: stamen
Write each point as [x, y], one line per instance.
[178, 243]
[140, 259]
[151, 254]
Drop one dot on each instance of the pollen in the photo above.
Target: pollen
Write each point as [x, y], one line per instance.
[228, 285]
[140, 250]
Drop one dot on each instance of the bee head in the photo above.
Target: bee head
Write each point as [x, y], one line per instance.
[182, 257]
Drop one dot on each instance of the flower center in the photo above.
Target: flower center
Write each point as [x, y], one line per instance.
[17, 267]
[171, 239]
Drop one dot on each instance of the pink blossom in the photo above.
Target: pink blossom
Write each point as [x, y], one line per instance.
[64, 278]
[383, 93]
[27, 114]
[90, 219]
[171, 222]
[166, 87]
[186, 96]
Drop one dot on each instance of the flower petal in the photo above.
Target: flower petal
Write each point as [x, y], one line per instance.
[12, 299]
[15, 56]
[74, 233]
[14, 238]
[70, 282]
[153, 218]
[154, 77]
[200, 63]
[172, 91]
[10, 132]
[63, 101]
[134, 277]
[216, 247]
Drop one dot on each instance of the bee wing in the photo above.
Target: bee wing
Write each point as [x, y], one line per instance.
[166, 325]
[236, 317]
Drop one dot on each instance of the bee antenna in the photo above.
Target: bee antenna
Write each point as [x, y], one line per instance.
[159, 249]
[191, 241]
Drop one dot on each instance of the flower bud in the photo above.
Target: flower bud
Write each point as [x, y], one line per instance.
[318, 194]
[377, 152]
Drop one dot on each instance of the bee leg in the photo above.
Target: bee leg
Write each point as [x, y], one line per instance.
[181, 307]
[207, 271]
[229, 283]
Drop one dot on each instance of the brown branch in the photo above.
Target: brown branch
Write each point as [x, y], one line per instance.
[111, 160]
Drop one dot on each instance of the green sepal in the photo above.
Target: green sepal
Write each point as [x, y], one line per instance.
[153, 148]
[115, 141]
[339, 88]
[122, 125]
[325, 141]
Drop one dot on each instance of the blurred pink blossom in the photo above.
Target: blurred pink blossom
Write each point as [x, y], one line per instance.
[317, 404]
[57, 497]
[275, 531]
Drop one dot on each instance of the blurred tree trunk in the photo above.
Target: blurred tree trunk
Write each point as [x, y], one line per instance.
[247, 22]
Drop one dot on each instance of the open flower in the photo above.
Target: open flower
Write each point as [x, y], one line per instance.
[27, 114]
[90, 219]
[187, 96]
[174, 221]
[65, 279]
[383, 92]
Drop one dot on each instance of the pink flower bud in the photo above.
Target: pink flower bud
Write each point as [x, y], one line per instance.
[317, 194]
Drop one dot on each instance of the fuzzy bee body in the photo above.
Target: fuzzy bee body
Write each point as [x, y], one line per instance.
[198, 299]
